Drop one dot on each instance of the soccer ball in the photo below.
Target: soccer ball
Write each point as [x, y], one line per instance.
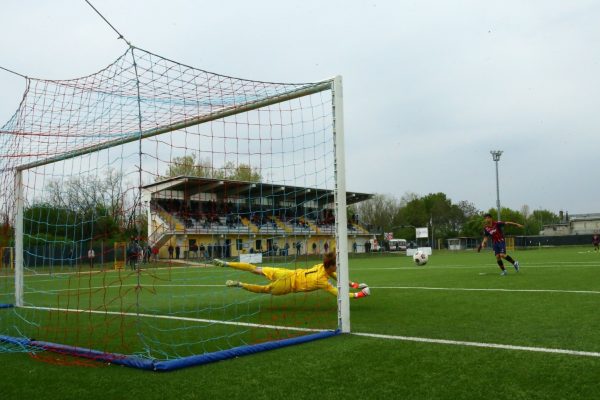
[420, 258]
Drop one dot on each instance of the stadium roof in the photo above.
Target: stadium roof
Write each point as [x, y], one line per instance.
[192, 185]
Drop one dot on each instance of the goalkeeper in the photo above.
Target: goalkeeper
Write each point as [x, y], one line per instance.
[284, 281]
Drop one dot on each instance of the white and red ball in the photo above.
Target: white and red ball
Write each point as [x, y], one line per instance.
[420, 258]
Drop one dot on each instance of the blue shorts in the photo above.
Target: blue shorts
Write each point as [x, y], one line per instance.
[500, 248]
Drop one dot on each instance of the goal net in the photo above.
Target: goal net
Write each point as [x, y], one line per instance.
[120, 188]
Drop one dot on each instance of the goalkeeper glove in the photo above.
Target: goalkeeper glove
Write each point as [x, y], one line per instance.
[363, 293]
[219, 263]
[355, 285]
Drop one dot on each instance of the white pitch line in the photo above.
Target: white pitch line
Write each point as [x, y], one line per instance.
[172, 317]
[482, 345]
[488, 289]
[479, 266]
[371, 335]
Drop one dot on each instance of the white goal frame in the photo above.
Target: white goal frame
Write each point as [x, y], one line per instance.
[334, 84]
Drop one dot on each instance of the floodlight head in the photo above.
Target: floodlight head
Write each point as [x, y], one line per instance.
[496, 154]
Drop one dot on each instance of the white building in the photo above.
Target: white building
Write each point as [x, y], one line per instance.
[575, 224]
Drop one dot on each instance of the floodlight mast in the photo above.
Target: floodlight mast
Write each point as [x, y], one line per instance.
[496, 157]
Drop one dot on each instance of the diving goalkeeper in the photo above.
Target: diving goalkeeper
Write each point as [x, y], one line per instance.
[284, 281]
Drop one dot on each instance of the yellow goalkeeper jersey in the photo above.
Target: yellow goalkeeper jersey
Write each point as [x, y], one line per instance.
[300, 280]
[307, 280]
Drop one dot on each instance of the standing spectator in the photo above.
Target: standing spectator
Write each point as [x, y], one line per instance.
[314, 247]
[139, 254]
[71, 257]
[155, 253]
[177, 251]
[147, 253]
[298, 248]
[202, 250]
[354, 247]
[326, 247]
[6, 258]
[132, 255]
[194, 249]
[286, 249]
[171, 249]
[91, 255]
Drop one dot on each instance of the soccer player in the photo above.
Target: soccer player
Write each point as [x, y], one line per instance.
[493, 229]
[284, 281]
[596, 242]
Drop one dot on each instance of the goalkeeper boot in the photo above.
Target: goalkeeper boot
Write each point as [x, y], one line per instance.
[231, 283]
[362, 285]
[219, 263]
[517, 266]
[366, 291]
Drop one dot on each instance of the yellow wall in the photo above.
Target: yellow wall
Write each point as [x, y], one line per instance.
[307, 243]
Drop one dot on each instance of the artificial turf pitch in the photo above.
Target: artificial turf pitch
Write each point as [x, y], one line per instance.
[553, 303]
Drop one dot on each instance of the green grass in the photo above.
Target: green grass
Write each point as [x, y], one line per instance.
[552, 303]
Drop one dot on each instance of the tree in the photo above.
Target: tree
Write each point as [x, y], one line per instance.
[79, 208]
[378, 213]
[473, 226]
[6, 231]
[88, 192]
[538, 219]
[188, 166]
[468, 209]
[240, 172]
[436, 211]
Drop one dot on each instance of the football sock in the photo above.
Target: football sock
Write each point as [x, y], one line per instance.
[501, 265]
[510, 259]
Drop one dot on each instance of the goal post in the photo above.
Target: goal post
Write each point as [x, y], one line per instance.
[195, 166]
[340, 202]
[19, 238]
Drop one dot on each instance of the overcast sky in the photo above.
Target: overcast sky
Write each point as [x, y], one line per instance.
[430, 87]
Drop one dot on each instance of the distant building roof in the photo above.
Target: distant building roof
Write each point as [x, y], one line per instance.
[579, 217]
[223, 187]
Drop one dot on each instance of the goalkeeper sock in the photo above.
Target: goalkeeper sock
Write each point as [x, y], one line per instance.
[358, 295]
[354, 285]
[501, 265]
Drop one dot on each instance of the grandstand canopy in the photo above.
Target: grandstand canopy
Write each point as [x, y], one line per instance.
[224, 188]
